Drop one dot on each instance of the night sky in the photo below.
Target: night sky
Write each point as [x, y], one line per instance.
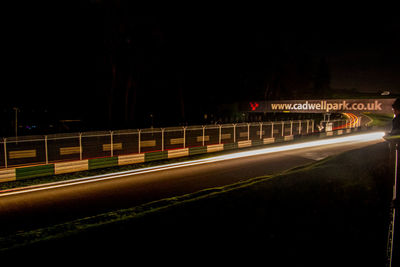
[105, 63]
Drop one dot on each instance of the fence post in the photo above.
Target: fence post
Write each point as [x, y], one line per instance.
[139, 141]
[261, 134]
[234, 133]
[272, 129]
[248, 131]
[5, 152]
[184, 136]
[204, 132]
[291, 127]
[80, 146]
[45, 148]
[299, 127]
[220, 130]
[312, 126]
[162, 138]
[112, 143]
[307, 125]
[283, 128]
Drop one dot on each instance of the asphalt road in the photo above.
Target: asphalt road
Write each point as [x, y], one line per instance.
[38, 207]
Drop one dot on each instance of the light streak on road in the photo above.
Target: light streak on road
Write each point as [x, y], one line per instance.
[359, 138]
[354, 138]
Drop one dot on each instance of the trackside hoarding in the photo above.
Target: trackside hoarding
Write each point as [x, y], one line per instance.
[324, 106]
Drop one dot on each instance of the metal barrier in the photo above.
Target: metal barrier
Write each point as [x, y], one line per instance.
[393, 239]
[80, 146]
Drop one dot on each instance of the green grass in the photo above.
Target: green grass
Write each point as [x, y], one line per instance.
[379, 120]
[330, 213]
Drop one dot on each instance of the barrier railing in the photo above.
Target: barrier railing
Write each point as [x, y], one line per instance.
[31, 150]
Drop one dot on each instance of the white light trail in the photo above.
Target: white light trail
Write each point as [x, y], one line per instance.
[359, 138]
[354, 138]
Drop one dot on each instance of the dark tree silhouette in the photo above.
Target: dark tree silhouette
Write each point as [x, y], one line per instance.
[322, 79]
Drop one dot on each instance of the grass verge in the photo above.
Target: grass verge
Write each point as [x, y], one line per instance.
[379, 120]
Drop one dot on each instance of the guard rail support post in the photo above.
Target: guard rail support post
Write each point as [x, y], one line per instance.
[261, 124]
[5, 152]
[283, 128]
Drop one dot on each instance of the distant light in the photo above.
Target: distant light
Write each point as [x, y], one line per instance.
[254, 105]
[385, 93]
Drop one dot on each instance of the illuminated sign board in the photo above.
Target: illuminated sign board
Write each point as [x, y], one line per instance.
[324, 106]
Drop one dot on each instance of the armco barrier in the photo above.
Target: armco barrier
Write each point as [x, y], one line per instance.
[151, 156]
[183, 152]
[34, 171]
[130, 159]
[101, 163]
[7, 175]
[230, 146]
[71, 166]
[197, 150]
[12, 174]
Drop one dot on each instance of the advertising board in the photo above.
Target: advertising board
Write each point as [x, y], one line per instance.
[324, 106]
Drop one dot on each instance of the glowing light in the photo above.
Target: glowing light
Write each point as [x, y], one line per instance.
[337, 140]
[330, 141]
[254, 105]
